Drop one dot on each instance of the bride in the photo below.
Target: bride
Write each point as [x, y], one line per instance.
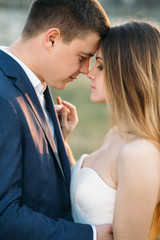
[120, 182]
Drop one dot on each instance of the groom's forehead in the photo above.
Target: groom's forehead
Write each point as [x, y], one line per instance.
[87, 45]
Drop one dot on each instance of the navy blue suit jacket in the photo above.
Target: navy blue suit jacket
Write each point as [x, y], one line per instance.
[34, 176]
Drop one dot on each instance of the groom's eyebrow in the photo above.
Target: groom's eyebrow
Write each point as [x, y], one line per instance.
[87, 54]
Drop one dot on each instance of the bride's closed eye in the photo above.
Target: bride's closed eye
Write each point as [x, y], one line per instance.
[100, 67]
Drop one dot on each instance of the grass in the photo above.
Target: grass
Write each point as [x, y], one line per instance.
[93, 123]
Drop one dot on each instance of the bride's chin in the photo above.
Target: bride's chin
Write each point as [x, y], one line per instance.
[97, 100]
[93, 99]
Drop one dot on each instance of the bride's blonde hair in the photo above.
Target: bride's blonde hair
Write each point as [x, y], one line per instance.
[131, 54]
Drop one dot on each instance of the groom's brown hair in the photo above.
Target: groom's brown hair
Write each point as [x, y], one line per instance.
[74, 18]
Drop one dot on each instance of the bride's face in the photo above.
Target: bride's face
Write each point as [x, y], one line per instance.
[96, 76]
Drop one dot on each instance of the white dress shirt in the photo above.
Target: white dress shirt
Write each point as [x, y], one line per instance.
[39, 89]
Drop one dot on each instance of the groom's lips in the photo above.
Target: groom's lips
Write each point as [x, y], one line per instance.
[72, 78]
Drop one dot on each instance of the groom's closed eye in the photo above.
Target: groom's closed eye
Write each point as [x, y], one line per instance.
[83, 58]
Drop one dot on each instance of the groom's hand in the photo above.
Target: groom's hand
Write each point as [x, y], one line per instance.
[104, 232]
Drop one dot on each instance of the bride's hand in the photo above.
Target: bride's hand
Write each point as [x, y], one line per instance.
[67, 116]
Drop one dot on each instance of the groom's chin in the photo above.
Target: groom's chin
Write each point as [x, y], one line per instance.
[63, 86]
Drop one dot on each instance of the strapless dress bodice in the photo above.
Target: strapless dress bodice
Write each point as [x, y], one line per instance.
[92, 199]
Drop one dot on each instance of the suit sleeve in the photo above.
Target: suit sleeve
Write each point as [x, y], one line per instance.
[18, 221]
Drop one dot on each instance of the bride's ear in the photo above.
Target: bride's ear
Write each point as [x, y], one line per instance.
[51, 37]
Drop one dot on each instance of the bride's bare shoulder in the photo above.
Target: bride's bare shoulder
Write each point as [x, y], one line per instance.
[139, 151]
[140, 145]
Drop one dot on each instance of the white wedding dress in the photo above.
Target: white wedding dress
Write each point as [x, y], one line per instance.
[92, 199]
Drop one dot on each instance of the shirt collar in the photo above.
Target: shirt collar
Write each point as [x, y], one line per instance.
[40, 87]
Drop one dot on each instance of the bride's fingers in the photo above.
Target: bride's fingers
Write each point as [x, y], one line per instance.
[60, 103]
[58, 107]
[59, 100]
[69, 106]
[72, 116]
[64, 114]
[65, 103]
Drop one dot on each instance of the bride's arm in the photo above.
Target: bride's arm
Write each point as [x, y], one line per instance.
[138, 172]
[70, 154]
[68, 120]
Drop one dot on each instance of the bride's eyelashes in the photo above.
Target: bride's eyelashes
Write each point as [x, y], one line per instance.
[100, 67]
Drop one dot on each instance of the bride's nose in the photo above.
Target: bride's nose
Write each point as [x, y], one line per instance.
[91, 75]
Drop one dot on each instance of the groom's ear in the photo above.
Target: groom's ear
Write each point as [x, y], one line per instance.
[51, 38]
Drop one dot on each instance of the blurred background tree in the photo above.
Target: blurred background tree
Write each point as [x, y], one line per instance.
[93, 121]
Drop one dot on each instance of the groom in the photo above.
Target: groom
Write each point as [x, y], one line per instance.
[57, 42]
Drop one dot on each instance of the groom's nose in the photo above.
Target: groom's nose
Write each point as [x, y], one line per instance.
[84, 69]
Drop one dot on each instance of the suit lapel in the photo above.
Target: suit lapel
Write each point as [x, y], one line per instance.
[61, 148]
[25, 86]
[34, 103]
[14, 70]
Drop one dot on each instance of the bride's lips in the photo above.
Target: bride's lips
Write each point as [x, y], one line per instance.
[92, 88]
